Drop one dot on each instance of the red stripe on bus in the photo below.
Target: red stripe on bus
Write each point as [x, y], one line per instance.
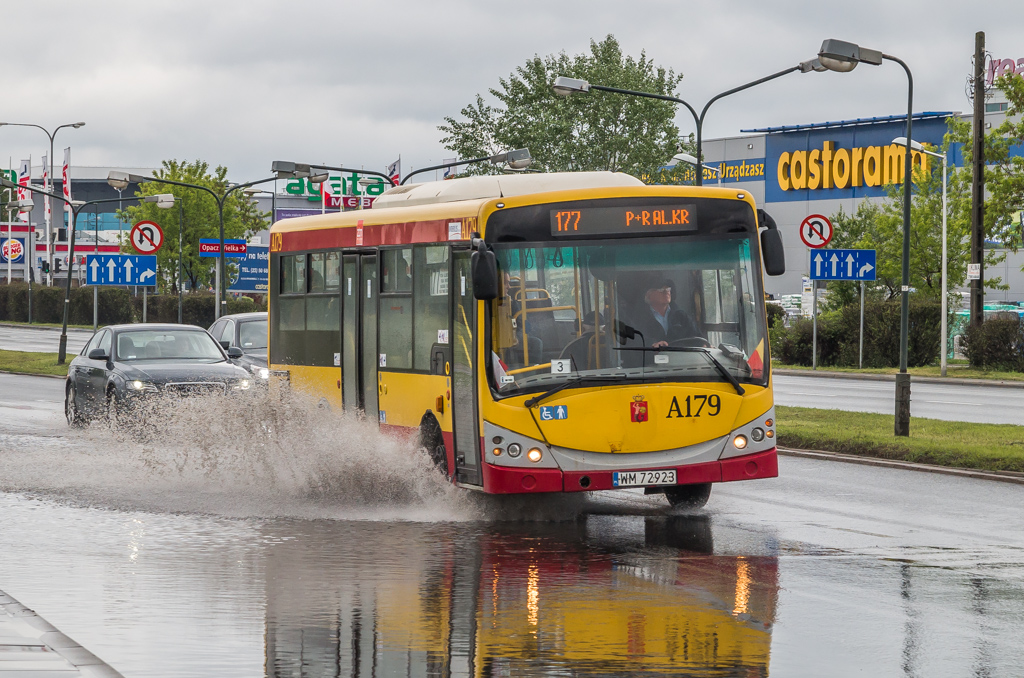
[383, 234]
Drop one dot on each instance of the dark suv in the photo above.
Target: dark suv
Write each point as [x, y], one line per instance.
[248, 332]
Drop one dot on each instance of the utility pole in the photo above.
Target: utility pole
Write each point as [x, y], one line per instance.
[978, 183]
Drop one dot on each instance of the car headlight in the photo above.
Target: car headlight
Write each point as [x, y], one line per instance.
[139, 385]
[242, 385]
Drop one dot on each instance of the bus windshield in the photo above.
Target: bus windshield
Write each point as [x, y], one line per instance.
[651, 309]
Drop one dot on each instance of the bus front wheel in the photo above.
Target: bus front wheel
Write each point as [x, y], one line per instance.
[688, 496]
[432, 440]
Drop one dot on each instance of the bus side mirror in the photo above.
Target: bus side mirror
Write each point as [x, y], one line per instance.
[485, 275]
[772, 251]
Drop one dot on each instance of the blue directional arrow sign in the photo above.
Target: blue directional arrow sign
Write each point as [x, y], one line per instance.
[121, 269]
[842, 264]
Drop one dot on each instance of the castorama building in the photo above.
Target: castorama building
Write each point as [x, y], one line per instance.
[814, 169]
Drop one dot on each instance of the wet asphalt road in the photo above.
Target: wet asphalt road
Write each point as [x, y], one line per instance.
[165, 569]
[952, 402]
[41, 339]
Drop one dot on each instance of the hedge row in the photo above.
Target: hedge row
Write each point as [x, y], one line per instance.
[839, 336]
[115, 305]
[998, 343]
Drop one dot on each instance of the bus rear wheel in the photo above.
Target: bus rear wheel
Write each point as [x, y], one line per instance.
[432, 440]
[688, 496]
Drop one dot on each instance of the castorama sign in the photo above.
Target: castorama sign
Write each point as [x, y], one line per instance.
[853, 159]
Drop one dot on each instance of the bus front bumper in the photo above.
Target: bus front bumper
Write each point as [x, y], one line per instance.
[512, 480]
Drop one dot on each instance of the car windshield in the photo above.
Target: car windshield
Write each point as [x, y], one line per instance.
[652, 309]
[176, 345]
[252, 335]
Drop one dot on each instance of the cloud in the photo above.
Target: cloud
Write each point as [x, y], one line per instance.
[244, 83]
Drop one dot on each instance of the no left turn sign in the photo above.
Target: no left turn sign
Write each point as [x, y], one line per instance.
[816, 231]
[147, 236]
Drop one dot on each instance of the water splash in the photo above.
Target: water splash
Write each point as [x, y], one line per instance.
[262, 455]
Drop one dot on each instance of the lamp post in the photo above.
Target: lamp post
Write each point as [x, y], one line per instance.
[518, 159]
[115, 176]
[46, 187]
[565, 86]
[843, 57]
[901, 141]
[163, 201]
[690, 160]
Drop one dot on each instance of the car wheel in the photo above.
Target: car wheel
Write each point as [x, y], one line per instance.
[71, 411]
[115, 409]
[688, 496]
[432, 440]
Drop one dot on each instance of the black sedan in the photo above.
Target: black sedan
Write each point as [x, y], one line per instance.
[122, 364]
[248, 332]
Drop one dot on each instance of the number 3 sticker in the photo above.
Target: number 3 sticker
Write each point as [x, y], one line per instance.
[561, 366]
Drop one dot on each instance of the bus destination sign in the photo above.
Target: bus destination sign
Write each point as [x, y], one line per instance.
[623, 220]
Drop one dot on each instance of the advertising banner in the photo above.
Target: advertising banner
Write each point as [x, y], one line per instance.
[253, 271]
[12, 249]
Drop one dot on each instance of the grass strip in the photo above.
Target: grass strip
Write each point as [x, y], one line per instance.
[954, 371]
[25, 362]
[990, 447]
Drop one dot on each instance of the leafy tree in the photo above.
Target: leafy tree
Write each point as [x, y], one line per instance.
[597, 131]
[1004, 173]
[241, 219]
[879, 226]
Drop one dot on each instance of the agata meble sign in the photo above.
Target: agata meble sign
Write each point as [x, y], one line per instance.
[832, 167]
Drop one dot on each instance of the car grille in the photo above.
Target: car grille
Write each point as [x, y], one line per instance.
[195, 388]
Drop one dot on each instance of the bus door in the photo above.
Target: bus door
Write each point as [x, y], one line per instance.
[463, 402]
[368, 338]
[350, 331]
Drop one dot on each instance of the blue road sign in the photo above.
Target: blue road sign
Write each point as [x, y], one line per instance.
[233, 247]
[253, 271]
[842, 264]
[121, 269]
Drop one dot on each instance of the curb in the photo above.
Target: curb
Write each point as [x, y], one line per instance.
[36, 632]
[1001, 476]
[26, 326]
[32, 374]
[892, 377]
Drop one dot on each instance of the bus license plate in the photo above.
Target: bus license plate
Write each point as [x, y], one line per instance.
[643, 478]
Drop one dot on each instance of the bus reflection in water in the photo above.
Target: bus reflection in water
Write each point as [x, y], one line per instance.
[571, 599]
[564, 332]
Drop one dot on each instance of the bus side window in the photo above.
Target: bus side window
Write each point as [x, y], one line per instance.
[396, 310]
[431, 294]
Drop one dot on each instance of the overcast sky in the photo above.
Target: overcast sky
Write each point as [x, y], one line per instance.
[244, 83]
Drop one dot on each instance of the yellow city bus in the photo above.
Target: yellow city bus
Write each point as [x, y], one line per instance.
[554, 332]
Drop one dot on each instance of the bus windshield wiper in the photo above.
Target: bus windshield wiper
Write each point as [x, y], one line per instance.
[706, 352]
[569, 383]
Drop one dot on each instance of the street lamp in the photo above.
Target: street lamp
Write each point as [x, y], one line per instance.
[285, 169]
[565, 86]
[690, 160]
[119, 177]
[46, 186]
[902, 141]
[519, 159]
[163, 201]
[843, 57]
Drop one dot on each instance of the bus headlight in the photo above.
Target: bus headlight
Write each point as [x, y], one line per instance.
[757, 435]
[739, 442]
[514, 450]
[534, 454]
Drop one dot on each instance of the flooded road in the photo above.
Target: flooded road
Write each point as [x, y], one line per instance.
[301, 544]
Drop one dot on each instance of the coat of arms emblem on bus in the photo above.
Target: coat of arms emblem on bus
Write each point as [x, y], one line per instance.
[638, 409]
